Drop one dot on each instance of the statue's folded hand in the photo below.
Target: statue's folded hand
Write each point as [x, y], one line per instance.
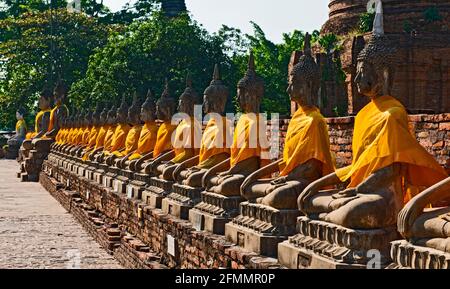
[348, 193]
[406, 218]
[279, 181]
[308, 192]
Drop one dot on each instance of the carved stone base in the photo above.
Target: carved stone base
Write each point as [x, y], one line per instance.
[213, 212]
[406, 255]
[260, 228]
[181, 200]
[120, 184]
[108, 179]
[135, 189]
[322, 245]
[156, 191]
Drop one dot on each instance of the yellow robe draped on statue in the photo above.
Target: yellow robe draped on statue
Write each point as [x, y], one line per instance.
[109, 138]
[147, 140]
[187, 140]
[381, 137]
[131, 142]
[307, 138]
[52, 121]
[91, 143]
[250, 140]
[37, 120]
[119, 138]
[214, 140]
[164, 138]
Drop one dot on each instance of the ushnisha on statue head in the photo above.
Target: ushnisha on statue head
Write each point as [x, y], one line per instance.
[377, 61]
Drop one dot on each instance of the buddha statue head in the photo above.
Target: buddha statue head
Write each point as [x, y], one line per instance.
[376, 62]
[103, 116]
[20, 113]
[216, 94]
[112, 116]
[45, 99]
[87, 118]
[96, 115]
[134, 116]
[189, 98]
[148, 109]
[60, 92]
[166, 105]
[250, 89]
[122, 112]
[304, 78]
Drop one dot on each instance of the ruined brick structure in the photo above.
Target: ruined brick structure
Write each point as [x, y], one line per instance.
[421, 30]
[173, 7]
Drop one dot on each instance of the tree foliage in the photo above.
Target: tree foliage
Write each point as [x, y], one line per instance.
[145, 55]
[35, 53]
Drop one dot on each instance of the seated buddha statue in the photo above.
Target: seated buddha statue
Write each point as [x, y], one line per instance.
[43, 116]
[389, 166]
[424, 226]
[165, 109]
[120, 133]
[73, 134]
[147, 137]
[249, 151]
[306, 155]
[14, 143]
[97, 139]
[132, 139]
[98, 155]
[187, 136]
[213, 148]
[94, 128]
[83, 136]
[58, 113]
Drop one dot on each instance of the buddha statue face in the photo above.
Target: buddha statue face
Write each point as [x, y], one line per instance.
[148, 108]
[122, 112]
[165, 106]
[103, 117]
[188, 99]
[60, 93]
[44, 100]
[375, 67]
[112, 116]
[19, 115]
[216, 95]
[250, 89]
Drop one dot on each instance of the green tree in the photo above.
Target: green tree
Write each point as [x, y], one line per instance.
[148, 52]
[35, 53]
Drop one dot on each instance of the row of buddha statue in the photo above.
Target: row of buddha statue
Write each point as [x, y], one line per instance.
[299, 207]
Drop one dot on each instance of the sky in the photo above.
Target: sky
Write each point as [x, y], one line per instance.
[274, 16]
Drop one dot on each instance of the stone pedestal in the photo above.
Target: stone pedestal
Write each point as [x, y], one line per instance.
[181, 200]
[120, 183]
[213, 212]
[108, 177]
[31, 166]
[157, 190]
[322, 245]
[260, 228]
[12, 152]
[408, 256]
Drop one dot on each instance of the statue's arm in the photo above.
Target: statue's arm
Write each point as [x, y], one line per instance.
[414, 208]
[262, 172]
[184, 165]
[45, 120]
[143, 159]
[381, 178]
[223, 166]
[314, 187]
[165, 157]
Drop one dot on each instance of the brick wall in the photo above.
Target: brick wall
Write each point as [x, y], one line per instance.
[432, 132]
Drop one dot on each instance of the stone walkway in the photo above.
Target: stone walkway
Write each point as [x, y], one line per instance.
[36, 231]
